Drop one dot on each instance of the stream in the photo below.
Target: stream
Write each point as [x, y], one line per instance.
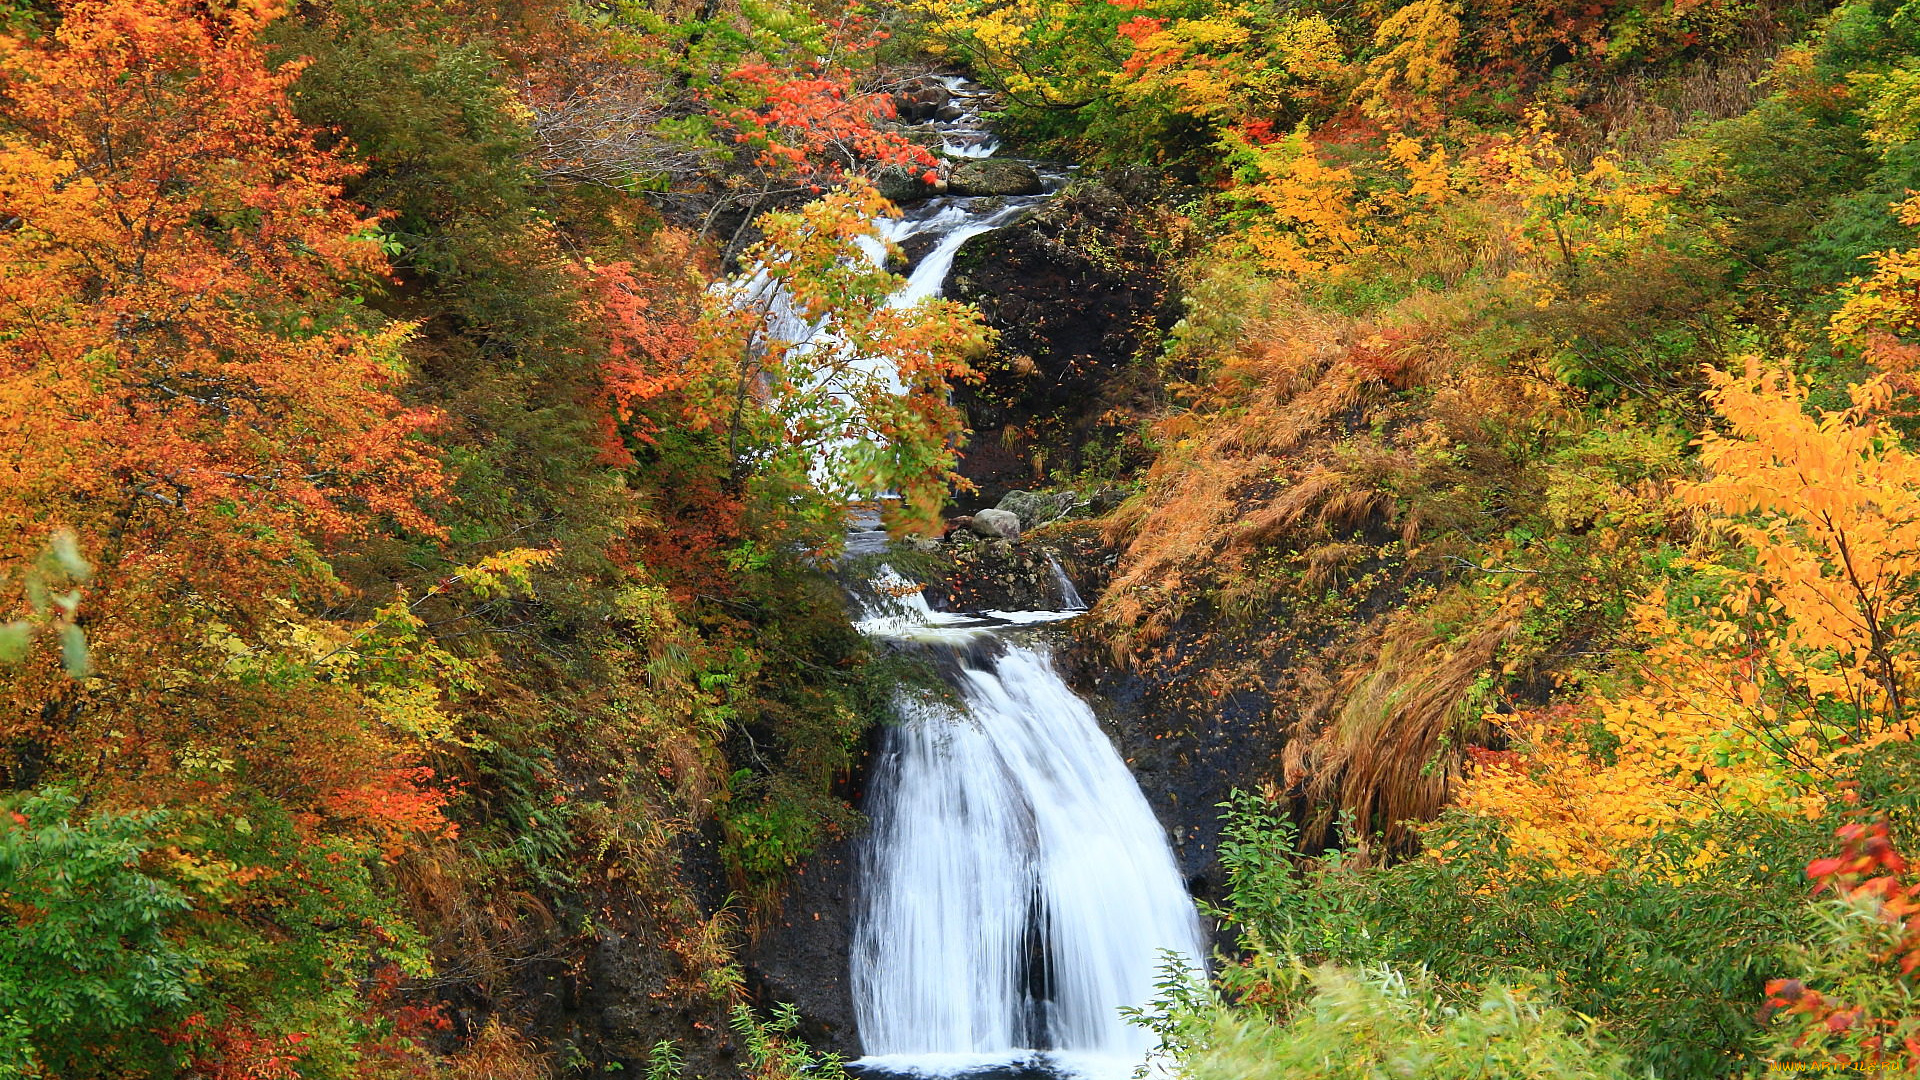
[1016, 891]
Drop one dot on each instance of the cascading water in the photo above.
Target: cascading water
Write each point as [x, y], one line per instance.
[1016, 891]
[1069, 596]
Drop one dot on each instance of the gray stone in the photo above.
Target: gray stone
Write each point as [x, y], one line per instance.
[1038, 508]
[921, 100]
[991, 177]
[1004, 524]
[902, 184]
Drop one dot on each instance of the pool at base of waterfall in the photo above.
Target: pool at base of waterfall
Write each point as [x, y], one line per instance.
[1015, 1065]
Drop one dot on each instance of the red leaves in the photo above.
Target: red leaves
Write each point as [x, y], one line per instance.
[1866, 847]
[235, 1050]
[1859, 1030]
[1139, 28]
[645, 317]
[396, 805]
[814, 122]
[1785, 991]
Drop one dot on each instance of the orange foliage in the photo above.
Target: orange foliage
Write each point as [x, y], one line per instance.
[646, 315]
[816, 121]
[180, 371]
[396, 805]
[190, 389]
[1769, 695]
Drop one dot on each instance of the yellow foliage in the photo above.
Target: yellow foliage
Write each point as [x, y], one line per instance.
[1311, 225]
[1232, 62]
[1596, 211]
[1764, 698]
[1409, 78]
[1884, 306]
[1313, 218]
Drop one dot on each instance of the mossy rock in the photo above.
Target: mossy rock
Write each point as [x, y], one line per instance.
[990, 177]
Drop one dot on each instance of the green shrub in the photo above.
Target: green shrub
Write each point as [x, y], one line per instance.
[86, 968]
[1671, 963]
[1380, 1022]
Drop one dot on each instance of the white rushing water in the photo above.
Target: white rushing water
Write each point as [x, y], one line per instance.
[1069, 596]
[1017, 889]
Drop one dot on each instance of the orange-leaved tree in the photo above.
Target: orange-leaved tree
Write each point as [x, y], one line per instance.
[190, 387]
[187, 383]
[191, 396]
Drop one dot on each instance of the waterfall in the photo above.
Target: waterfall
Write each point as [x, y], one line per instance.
[1069, 596]
[1017, 891]
[955, 224]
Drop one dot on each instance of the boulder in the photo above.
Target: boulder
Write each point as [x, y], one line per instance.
[987, 176]
[1106, 501]
[902, 184]
[921, 100]
[1038, 508]
[1002, 524]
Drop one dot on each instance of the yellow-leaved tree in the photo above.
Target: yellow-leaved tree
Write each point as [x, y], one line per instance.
[1410, 78]
[1765, 696]
[1307, 216]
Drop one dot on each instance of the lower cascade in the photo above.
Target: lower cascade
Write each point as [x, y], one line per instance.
[1018, 892]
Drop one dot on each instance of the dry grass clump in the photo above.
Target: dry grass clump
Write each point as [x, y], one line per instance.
[1382, 744]
[1252, 461]
[499, 1052]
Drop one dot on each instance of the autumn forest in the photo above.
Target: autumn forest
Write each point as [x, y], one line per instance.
[1486, 434]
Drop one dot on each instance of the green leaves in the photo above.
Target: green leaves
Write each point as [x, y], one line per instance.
[1384, 1022]
[51, 587]
[85, 961]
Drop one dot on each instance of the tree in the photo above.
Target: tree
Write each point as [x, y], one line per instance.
[86, 967]
[1767, 696]
[817, 380]
[191, 388]
[1409, 79]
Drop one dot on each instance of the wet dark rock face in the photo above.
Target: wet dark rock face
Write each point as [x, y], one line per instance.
[1187, 759]
[922, 100]
[801, 955]
[906, 184]
[976, 574]
[600, 975]
[1080, 294]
